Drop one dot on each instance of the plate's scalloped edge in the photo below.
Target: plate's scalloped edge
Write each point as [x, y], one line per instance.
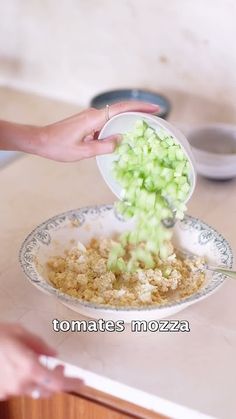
[40, 234]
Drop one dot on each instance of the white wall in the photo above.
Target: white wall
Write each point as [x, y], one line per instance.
[72, 49]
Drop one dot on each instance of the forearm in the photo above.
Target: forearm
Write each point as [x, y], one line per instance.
[17, 137]
[72, 139]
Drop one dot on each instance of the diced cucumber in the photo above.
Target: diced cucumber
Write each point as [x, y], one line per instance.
[154, 172]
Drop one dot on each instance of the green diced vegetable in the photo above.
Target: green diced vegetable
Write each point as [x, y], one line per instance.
[154, 172]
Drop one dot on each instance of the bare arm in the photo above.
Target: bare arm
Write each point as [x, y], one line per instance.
[72, 139]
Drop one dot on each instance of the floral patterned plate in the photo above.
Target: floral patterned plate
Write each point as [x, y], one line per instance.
[62, 232]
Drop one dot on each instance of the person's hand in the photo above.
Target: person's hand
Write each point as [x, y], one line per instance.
[72, 139]
[75, 138]
[21, 373]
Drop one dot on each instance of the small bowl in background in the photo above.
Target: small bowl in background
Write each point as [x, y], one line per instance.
[214, 150]
[119, 95]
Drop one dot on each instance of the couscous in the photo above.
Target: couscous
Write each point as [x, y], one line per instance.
[83, 273]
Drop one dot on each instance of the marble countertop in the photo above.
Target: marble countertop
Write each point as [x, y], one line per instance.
[196, 370]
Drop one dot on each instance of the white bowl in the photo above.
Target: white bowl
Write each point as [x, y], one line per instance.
[124, 122]
[55, 235]
[205, 141]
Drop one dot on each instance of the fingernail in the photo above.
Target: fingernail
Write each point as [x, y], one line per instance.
[108, 148]
[117, 137]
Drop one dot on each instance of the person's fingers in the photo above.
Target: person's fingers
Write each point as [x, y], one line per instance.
[59, 369]
[70, 384]
[36, 344]
[38, 381]
[3, 396]
[36, 392]
[91, 137]
[29, 388]
[95, 119]
[44, 394]
[129, 106]
[50, 380]
[55, 381]
[97, 147]
[88, 138]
